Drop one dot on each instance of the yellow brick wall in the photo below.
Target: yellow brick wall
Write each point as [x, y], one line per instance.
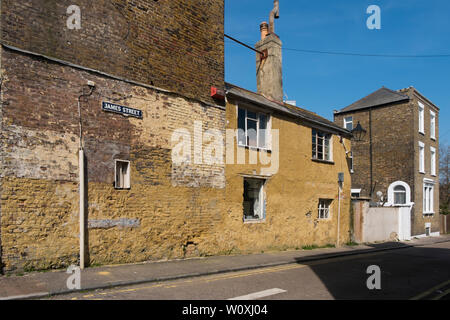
[292, 196]
[171, 211]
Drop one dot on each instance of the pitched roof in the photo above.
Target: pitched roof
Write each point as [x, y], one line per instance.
[380, 97]
[296, 112]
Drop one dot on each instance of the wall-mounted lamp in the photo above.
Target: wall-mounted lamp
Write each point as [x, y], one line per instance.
[359, 133]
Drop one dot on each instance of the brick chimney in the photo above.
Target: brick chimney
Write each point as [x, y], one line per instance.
[269, 74]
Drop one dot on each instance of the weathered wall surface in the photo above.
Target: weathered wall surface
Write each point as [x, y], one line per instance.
[177, 45]
[161, 214]
[380, 224]
[292, 194]
[171, 211]
[372, 224]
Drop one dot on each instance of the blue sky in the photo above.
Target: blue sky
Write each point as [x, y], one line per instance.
[323, 83]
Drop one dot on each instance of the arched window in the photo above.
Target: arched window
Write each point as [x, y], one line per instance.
[399, 195]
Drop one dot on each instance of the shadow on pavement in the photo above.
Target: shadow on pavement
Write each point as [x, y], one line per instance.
[404, 273]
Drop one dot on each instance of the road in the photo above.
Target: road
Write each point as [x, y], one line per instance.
[417, 272]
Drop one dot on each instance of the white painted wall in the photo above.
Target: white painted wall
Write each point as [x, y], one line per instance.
[386, 223]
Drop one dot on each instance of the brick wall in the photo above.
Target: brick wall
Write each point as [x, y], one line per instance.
[39, 169]
[395, 153]
[177, 45]
[418, 223]
[392, 147]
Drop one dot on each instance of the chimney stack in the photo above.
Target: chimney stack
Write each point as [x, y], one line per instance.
[269, 75]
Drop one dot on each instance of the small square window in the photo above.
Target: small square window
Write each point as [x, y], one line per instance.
[348, 123]
[324, 208]
[122, 174]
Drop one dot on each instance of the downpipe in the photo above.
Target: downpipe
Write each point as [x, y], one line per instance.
[82, 208]
[82, 185]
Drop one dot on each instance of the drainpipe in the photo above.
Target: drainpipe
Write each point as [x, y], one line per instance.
[340, 182]
[371, 155]
[339, 216]
[82, 213]
[81, 178]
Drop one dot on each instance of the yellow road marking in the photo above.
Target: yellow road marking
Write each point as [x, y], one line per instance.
[260, 271]
[104, 273]
[232, 275]
[223, 277]
[430, 291]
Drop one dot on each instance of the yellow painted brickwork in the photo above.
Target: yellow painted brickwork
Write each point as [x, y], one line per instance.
[292, 196]
[39, 223]
[171, 211]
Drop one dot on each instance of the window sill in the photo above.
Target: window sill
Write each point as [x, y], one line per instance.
[255, 148]
[428, 214]
[254, 221]
[422, 172]
[433, 138]
[322, 161]
[422, 133]
[126, 189]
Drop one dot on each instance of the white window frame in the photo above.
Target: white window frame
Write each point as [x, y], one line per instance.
[402, 192]
[432, 125]
[428, 197]
[421, 118]
[421, 157]
[433, 161]
[356, 191]
[262, 202]
[391, 196]
[268, 135]
[324, 209]
[327, 136]
[348, 122]
[127, 175]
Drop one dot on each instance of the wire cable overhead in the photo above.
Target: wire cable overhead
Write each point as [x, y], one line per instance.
[346, 53]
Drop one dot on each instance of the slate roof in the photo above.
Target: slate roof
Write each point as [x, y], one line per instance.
[378, 98]
[312, 118]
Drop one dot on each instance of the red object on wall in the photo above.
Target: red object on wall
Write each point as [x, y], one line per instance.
[217, 93]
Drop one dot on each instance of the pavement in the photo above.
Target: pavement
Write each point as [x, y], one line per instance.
[51, 283]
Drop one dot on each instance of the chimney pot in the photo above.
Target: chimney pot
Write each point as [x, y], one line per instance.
[264, 27]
